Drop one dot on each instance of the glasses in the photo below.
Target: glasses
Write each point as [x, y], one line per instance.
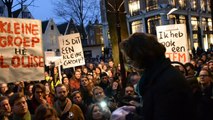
[203, 75]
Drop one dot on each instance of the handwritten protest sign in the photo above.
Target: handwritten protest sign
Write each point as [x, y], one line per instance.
[71, 50]
[174, 38]
[21, 55]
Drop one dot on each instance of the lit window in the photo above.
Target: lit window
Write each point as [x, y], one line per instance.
[208, 6]
[193, 4]
[204, 25]
[134, 7]
[137, 26]
[172, 2]
[151, 5]
[203, 5]
[194, 23]
[210, 24]
[182, 3]
[152, 23]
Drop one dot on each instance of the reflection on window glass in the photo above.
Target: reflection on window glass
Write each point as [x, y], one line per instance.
[151, 5]
[134, 7]
[194, 23]
[137, 26]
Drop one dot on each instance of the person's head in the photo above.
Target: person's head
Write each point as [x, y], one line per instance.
[95, 112]
[46, 112]
[98, 70]
[29, 89]
[190, 68]
[77, 74]
[141, 50]
[3, 88]
[111, 63]
[129, 90]
[38, 92]
[98, 93]
[210, 65]
[55, 70]
[84, 81]
[85, 70]
[91, 66]
[65, 81]
[205, 77]
[5, 105]
[134, 77]
[104, 77]
[61, 92]
[77, 97]
[18, 104]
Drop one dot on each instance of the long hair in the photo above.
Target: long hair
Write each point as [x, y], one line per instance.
[142, 49]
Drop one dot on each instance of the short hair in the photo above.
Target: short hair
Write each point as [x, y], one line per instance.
[74, 94]
[15, 97]
[143, 49]
[97, 87]
[188, 64]
[60, 85]
[42, 110]
[38, 85]
[2, 98]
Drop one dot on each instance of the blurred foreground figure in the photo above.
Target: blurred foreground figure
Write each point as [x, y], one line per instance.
[164, 90]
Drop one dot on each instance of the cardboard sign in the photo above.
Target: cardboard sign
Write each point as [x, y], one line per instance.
[174, 38]
[48, 57]
[21, 55]
[71, 50]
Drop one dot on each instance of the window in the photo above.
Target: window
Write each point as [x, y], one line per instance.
[193, 4]
[52, 27]
[182, 3]
[208, 6]
[172, 2]
[203, 5]
[182, 19]
[134, 7]
[152, 23]
[210, 24]
[204, 25]
[137, 26]
[151, 5]
[194, 23]
[26, 15]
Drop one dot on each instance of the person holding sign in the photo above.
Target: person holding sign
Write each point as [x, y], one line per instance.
[164, 90]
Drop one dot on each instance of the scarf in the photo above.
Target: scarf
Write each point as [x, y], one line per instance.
[67, 108]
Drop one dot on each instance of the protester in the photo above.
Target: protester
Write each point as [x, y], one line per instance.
[19, 107]
[96, 112]
[46, 112]
[5, 108]
[38, 97]
[205, 102]
[165, 92]
[64, 106]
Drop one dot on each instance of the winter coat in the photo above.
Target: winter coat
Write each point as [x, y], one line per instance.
[165, 93]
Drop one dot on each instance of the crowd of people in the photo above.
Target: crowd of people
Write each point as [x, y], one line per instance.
[95, 91]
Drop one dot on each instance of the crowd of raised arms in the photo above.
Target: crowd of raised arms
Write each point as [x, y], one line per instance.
[95, 91]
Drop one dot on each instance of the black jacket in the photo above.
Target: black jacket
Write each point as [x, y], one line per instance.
[166, 94]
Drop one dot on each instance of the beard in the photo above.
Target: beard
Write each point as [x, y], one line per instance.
[62, 98]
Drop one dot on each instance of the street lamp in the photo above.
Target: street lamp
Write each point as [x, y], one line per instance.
[116, 10]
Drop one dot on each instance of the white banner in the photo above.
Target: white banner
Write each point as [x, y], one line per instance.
[174, 38]
[71, 50]
[48, 57]
[21, 55]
